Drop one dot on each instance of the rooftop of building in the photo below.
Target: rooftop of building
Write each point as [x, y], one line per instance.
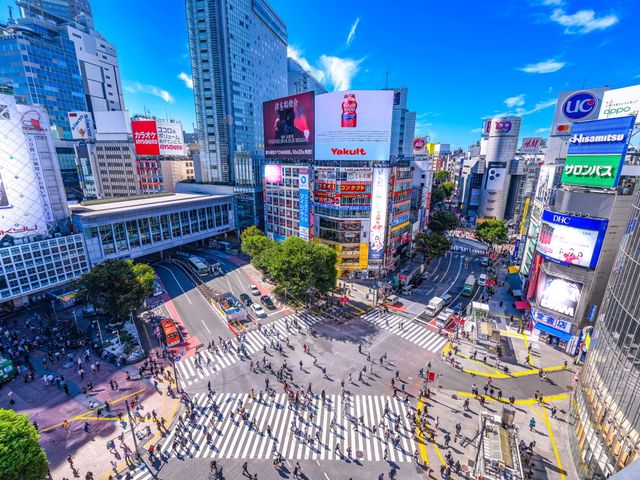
[111, 206]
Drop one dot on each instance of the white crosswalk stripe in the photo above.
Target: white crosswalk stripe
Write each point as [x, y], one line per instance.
[139, 473]
[412, 331]
[206, 363]
[296, 435]
[461, 249]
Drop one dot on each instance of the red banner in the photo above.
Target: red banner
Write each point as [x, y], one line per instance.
[328, 187]
[145, 137]
[353, 187]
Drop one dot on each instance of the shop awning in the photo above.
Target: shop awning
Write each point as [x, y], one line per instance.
[523, 305]
[515, 282]
[553, 331]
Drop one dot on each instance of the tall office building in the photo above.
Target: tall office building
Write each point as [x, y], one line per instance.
[403, 127]
[606, 410]
[301, 80]
[239, 60]
[60, 11]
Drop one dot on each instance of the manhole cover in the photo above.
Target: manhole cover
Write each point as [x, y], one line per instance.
[359, 454]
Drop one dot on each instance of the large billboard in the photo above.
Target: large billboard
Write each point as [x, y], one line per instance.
[379, 204]
[558, 294]
[531, 145]
[145, 137]
[303, 203]
[81, 124]
[273, 173]
[354, 125]
[596, 152]
[575, 106]
[571, 240]
[421, 146]
[621, 102]
[495, 176]
[23, 195]
[170, 138]
[289, 126]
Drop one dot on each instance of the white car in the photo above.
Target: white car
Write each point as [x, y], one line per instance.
[482, 280]
[254, 290]
[258, 310]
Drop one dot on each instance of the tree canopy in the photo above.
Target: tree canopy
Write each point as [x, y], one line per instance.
[441, 176]
[431, 245]
[295, 265]
[21, 457]
[442, 221]
[437, 194]
[116, 286]
[493, 232]
[448, 187]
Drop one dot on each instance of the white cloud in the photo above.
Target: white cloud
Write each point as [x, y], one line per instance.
[553, 2]
[543, 130]
[137, 87]
[476, 130]
[186, 78]
[546, 66]
[336, 72]
[340, 71]
[522, 112]
[583, 21]
[352, 32]
[516, 101]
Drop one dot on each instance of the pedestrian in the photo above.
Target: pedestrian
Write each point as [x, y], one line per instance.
[532, 424]
[10, 398]
[65, 425]
[554, 410]
[70, 462]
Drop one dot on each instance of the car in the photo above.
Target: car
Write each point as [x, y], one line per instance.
[258, 310]
[267, 302]
[254, 290]
[407, 289]
[485, 262]
[482, 280]
[446, 298]
[457, 307]
[246, 299]
[416, 281]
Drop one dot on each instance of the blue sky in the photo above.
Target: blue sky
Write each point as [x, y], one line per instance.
[461, 60]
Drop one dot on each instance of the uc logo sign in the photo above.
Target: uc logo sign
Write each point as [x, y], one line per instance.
[503, 127]
[579, 105]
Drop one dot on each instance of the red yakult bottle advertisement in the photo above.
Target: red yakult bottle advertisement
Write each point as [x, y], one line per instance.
[349, 114]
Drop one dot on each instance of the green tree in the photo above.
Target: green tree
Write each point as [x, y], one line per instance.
[448, 187]
[442, 221]
[437, 195]
[256, 244]
[251, 231]
[441, 176]
[493, 232]
[297, 265]
[430, 245]
[116, 286]
[21, 457]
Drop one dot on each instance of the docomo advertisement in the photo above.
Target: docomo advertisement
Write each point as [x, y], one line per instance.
[289, 126]
[354, 125]
[158, 137]
[379, 199]
[22, 211]
[571, 240]
[621, 102]
[576, 106]
[303, 203]
[81, 124]
[558, 294]
[596, 152]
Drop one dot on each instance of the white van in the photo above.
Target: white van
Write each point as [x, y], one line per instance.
[407, 289]
[392, 300]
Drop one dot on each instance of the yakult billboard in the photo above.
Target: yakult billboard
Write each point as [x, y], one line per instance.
[23, 196]
[354, 125]
[289, 126]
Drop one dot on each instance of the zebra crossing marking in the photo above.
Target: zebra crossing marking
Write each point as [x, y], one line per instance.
[191, 372]
[234, 439]
[412, 331]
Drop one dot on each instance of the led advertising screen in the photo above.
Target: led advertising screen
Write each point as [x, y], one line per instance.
[495, 176]
[22, 206]
[575, 106]
[621, 102]
[145, 137]
[596, 152]
[273, 173]
[170, 139]
[81, 124]
[558, 294]
[420, 146]
[377, 231]
[289, 126]
[571, 240]
[354, 125]
[303, 203]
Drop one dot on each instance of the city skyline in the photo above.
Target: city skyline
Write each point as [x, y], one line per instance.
[156, 68]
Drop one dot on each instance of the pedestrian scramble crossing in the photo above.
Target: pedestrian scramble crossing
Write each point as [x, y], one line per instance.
[414, 332]
[206, 363]
[468, 250]
[309, 431]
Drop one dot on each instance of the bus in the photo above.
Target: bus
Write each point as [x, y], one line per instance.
[170, 332]
[199, 266]
[469, 283]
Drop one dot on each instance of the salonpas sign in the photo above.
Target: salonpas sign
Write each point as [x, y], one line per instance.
[596, 152]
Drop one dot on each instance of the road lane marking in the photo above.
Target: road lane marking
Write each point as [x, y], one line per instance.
[545, 419]
[177, 282]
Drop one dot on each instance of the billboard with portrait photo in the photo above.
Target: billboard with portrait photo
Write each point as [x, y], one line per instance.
[289, 126]
[558, 294]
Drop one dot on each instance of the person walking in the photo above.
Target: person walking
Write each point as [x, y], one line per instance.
[532, 424]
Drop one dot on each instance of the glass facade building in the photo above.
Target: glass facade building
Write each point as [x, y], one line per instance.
[606, 404]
